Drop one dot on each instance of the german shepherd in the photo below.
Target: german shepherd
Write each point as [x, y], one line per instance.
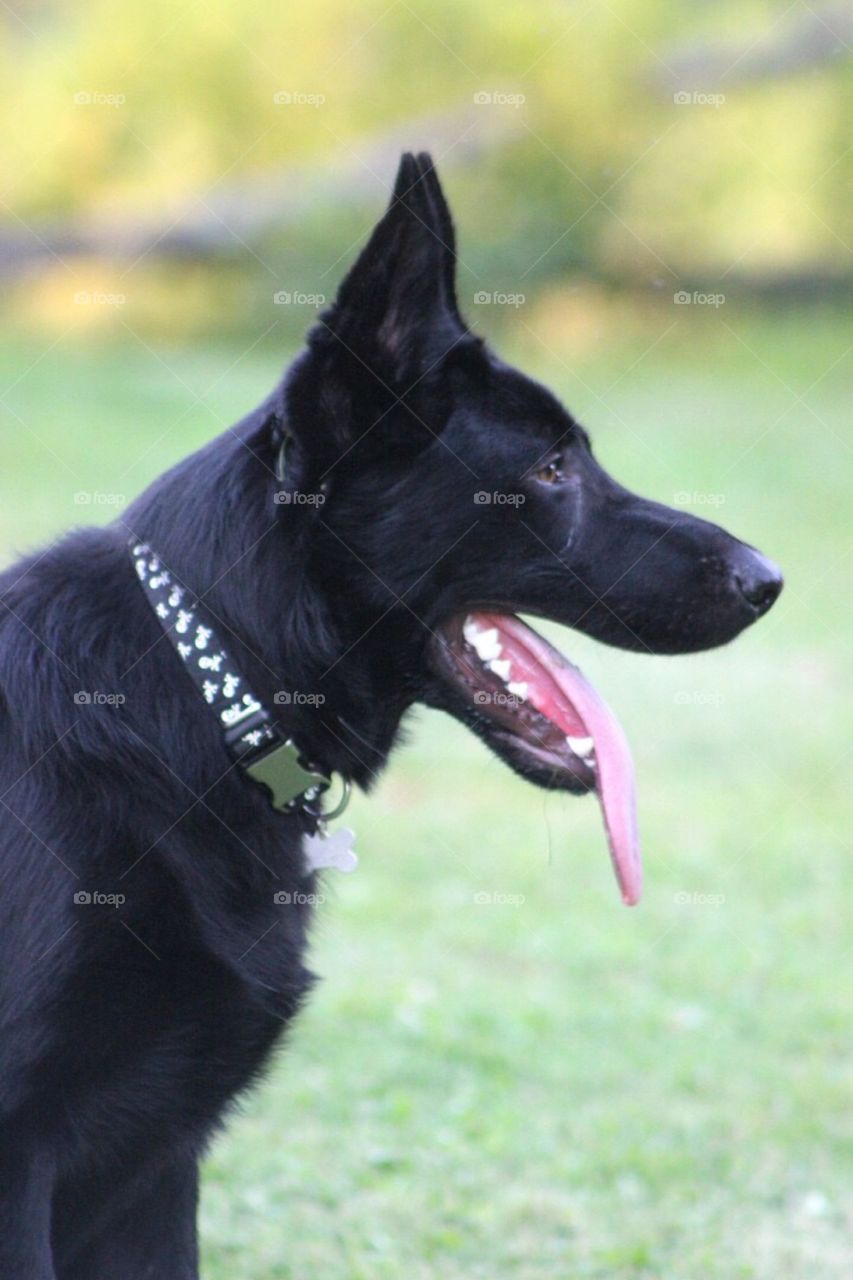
[360, 543]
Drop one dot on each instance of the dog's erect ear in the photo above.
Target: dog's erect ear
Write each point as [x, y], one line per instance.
[446, 230]
[398, 302]
[393, 322]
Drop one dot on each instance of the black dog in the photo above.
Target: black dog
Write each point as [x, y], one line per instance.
[356, 545]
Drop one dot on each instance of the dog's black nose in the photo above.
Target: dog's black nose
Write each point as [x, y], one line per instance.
[758, 580]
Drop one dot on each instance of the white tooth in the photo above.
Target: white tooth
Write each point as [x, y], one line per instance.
[581, 746]
[487, 644]
[518, 688]
[471, 630]
[501, 667]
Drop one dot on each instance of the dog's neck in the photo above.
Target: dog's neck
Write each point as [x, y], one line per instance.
[214, 522]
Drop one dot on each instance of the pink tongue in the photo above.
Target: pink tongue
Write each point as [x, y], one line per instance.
[563, 693]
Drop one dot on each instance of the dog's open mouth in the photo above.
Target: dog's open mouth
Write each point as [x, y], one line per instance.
[543, 716]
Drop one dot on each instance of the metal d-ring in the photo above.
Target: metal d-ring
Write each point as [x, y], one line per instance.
[346, 789]
[281, 460]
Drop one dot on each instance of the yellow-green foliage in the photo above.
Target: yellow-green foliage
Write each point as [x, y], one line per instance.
[597, 164]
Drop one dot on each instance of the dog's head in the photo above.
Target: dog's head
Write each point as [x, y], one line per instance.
[459, 492]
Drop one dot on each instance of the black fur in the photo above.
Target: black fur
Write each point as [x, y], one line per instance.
[127, 1029]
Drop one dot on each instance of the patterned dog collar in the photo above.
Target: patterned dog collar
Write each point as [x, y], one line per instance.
[252, 736]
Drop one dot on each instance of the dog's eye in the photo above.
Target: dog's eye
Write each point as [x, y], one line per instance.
[550, 473]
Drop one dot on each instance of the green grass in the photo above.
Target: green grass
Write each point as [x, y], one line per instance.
[558, 1087]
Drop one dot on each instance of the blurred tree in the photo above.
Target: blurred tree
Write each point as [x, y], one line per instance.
[637, 142]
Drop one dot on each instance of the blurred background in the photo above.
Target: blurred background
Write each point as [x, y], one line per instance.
[651, 202]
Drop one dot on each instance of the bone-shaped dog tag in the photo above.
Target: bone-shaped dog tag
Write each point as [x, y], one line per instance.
[333, 850]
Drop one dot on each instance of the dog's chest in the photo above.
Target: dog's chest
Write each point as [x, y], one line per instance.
[174, 1028]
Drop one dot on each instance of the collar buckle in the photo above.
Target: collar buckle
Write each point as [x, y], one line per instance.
[285, 777]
